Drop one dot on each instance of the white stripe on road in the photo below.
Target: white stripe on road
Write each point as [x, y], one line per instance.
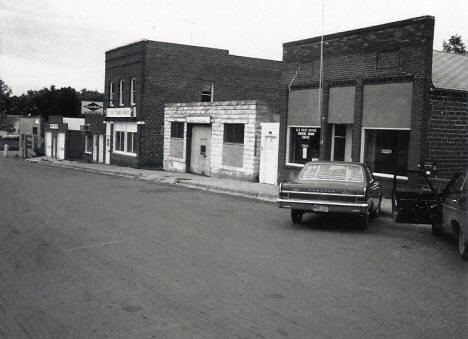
[97, 245]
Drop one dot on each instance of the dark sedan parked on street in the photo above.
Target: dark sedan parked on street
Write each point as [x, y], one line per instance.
[452, 216]
[332, 187]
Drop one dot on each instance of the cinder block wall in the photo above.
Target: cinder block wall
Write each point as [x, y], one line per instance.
[448, 132]
[251, 113]
[352, 58]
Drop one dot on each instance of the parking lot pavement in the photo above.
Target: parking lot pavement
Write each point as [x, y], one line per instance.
[93, 256]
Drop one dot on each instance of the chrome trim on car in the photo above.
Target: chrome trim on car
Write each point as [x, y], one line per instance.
[324, 193]
[322, 202]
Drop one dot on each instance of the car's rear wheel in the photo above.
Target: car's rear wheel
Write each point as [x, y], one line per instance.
[462, 244]
[296, 216]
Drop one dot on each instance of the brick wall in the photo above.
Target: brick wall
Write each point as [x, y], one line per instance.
[172, 73]
[251, 113]
[448, 131]
[395, 52]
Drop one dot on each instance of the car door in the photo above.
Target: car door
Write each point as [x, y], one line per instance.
[451, 205]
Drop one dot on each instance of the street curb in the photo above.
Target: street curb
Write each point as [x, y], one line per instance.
[171, 181]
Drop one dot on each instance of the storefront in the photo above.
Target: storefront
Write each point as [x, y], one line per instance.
[209, 139]
[374, 104]
[63, 138]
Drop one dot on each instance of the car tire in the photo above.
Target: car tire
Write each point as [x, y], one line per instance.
[296, 216]
[436, 229]
[462, 245]
[376, 212]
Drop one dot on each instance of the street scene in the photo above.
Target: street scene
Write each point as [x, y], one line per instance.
[96, 256]
[233, 169]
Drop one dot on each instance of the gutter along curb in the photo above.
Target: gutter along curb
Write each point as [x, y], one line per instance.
[168, 179]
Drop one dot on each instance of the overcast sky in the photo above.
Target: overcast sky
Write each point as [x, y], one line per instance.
[62, 42]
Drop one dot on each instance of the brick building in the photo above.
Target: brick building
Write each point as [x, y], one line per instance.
[219, 139]
[141, 77]
[381, 102]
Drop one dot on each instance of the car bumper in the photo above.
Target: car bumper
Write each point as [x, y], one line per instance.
[333, 206]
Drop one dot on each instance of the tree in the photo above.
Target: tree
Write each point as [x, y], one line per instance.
[454, 45]
[5, 98]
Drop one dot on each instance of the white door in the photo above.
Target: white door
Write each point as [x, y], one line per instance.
[48, 144]
[108, 142]
[95, 147]
[61, 146]
[101, 148]
[271, 159]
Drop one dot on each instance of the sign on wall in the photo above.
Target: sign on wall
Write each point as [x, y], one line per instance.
[53, 126]
[92, 107]
[119, 112]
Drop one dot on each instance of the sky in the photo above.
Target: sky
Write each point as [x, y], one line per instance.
[63, 42]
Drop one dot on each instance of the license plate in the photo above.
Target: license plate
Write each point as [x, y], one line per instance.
[319, 208]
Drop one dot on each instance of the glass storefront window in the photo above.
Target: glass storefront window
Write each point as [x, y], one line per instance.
[387, 150]
[304, 144]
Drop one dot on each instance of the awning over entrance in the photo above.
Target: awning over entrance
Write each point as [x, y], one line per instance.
[303, 107]
[387, 105]
[341, 105]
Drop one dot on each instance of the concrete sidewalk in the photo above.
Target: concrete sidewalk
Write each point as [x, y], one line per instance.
[253, 190]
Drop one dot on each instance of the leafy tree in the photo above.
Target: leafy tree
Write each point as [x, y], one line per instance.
[5, 98]
[454, 45]
[45, 102]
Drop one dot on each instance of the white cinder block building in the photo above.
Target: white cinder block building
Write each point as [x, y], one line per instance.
[219, 138]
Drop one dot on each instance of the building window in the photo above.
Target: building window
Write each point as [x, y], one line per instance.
[121, 92]
[177, 129]
[34, 130]
[119, 141]
[234, 133]
[207, 93]
[111, 93]
[130, 142]
[132, 91]
[386, 150]
[304, 144]
[88, 143]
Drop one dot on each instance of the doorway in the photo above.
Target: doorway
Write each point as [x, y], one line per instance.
[341, 142]
[200, 150]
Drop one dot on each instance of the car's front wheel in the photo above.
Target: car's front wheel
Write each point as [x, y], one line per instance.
[462, 244]
[296, 216]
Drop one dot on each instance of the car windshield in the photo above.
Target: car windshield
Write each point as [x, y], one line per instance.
[341, 172]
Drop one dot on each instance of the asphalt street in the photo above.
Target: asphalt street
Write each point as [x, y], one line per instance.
[85, 255]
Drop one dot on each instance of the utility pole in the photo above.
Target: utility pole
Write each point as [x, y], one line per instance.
[320, 99]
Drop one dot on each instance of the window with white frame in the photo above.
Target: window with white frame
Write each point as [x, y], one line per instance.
[132, 91]
[125, 138]
[111, 93]
[89, 143]
[303, 145]
[121, 92]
